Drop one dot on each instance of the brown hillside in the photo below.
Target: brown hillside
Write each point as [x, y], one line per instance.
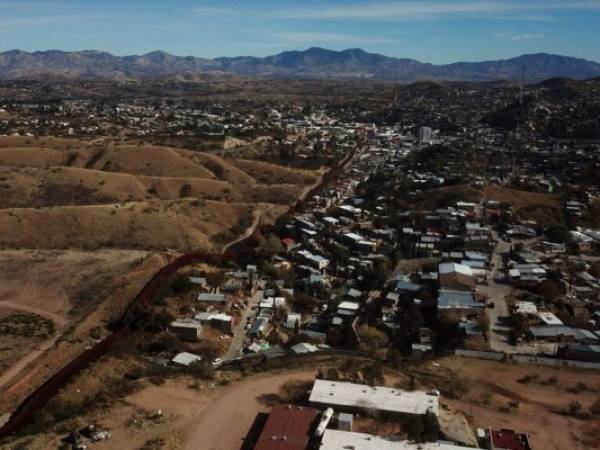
[104, 195]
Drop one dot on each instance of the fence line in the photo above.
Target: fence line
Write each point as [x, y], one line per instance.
[527, 359]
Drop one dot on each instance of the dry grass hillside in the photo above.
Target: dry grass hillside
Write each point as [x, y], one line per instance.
[85, 224]
[545, 209]
[101, 194]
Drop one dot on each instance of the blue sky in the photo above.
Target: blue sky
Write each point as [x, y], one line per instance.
[437, 31]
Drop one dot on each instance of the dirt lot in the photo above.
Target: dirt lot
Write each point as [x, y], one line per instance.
[443, 196]
[194, 414]
[545, 209]
[494, 385]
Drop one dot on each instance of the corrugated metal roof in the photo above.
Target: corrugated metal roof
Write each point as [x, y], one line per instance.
[288, 428]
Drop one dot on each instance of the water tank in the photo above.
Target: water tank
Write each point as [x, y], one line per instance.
[325, 419]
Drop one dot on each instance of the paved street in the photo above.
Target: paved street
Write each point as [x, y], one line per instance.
[498, 316]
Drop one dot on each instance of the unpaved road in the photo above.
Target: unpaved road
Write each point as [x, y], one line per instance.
[213, 420]
[224, 423]
[239, 334]
[11, 373]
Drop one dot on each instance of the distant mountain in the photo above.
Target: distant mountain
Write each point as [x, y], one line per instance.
[315, 63]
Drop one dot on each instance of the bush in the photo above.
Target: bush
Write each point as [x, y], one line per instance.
[181, 284]
[185, 190]
[202, 369]
[295, 391]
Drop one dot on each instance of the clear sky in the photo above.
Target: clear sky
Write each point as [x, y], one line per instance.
[437, 31]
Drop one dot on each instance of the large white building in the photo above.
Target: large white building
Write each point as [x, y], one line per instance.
[352, 397]
[339, 440]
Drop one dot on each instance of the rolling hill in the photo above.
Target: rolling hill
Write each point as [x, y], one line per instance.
[144, 197]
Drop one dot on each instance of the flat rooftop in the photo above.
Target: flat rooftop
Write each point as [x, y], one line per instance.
[339, 440]
[361, 396]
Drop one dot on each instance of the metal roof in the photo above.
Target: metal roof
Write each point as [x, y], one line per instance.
[287, 428]
[337, 440]
[380, 398]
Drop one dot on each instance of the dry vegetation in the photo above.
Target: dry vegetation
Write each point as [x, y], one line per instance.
[545, 209]
[105, 195]
[80, 222]
[78, 292]
[528, 398]
[442, 197]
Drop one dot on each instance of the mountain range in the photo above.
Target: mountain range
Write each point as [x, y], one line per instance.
[313, 63]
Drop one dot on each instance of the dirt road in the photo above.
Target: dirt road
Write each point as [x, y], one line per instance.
[218, 420]
[223, 423]
[9, 374]
[239, 334]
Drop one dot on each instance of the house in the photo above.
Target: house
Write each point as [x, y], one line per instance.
[259, 327]
[317, 261]
[406, 289]
[288, 427]
[293, 320]
[304, 347]
[456, 276]
[548, 318]
[338, 440]
[580, 352]
[526, 308]
[509, 440]
[212, 297]
[351, 397]
[348, 308]
[186, 359]
[455, 299]
[562, 333]
[219, 321]
[186, 330]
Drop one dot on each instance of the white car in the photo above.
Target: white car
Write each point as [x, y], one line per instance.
[217, 362]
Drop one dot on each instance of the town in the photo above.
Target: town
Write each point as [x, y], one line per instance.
[434, 234]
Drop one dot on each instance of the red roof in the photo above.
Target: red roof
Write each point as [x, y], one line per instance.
[288, 241]
[288, 428]
[510, 440]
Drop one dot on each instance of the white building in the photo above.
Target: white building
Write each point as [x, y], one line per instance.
[351, 397]
[185, 359]
[425, 134]
[339, 440]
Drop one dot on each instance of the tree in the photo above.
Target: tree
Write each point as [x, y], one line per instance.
[519, 324]
[373, 373]
[181, 284]
[394, 358]
[483, 321]
[373, 338]
[215, 279]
